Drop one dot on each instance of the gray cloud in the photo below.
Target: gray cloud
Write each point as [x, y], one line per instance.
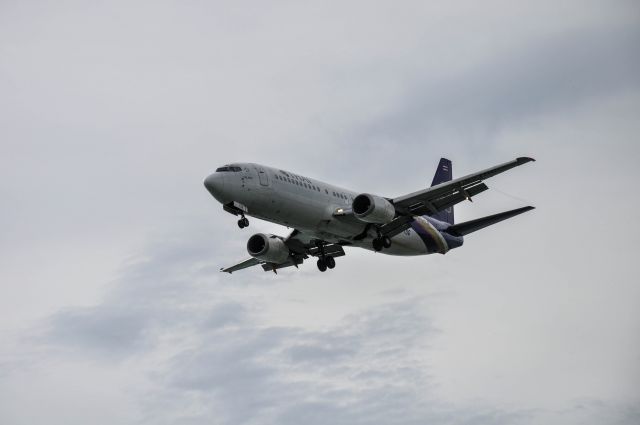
[367, 367]
[470, 107]
[205, 355]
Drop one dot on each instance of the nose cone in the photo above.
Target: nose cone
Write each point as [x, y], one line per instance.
[215, 185]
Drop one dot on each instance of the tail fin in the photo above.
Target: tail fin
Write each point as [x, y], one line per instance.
[480, 223]
[444, 173]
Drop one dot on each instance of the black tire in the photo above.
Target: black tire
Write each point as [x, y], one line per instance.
[377, 244]
[386, 241]
[245, 220]
[331, 262]
[241, 224]
[322, 266]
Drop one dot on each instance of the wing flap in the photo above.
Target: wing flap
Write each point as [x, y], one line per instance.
[448, 200]
[397, 226]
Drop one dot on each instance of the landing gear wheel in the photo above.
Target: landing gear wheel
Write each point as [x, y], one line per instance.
[386, 241]
[322, 265]
[243, 222]
[377, 244]
[331, 262]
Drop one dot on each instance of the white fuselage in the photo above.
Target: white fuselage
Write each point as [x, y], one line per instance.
[313, 208]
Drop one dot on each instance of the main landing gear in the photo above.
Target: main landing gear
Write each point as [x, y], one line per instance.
[381, 242]
[243, 222]
[324, 262]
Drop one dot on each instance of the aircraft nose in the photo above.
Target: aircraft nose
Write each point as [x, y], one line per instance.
[215, 184]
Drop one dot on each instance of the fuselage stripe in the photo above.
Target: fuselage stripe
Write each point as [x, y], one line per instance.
[432, 239]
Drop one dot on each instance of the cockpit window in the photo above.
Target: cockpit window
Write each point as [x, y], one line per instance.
[233, 168]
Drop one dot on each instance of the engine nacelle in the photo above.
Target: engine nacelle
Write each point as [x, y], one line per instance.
[373, 209]
[269, 248]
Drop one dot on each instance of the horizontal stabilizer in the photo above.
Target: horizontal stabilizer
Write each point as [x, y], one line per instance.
[467, 227]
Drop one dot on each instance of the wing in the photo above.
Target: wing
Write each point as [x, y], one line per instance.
[301, 247]
[242, 265]
[444, 195]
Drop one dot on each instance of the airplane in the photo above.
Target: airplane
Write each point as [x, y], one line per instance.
[326, 218]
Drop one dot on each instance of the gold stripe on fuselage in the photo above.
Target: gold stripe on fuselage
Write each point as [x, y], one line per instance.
[434, 233]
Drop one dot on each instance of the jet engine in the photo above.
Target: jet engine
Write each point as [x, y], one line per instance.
[373, 209]
[269, 248]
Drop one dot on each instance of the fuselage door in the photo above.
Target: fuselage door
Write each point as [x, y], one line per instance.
[263, 176]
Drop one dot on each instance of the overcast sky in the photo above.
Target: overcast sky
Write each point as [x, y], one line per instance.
[112, 309]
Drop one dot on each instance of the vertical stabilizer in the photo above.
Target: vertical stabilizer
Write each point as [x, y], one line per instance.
[444, 173]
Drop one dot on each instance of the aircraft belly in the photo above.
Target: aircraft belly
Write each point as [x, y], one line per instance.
[406, 243]
[288, 209]
[342, 227]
